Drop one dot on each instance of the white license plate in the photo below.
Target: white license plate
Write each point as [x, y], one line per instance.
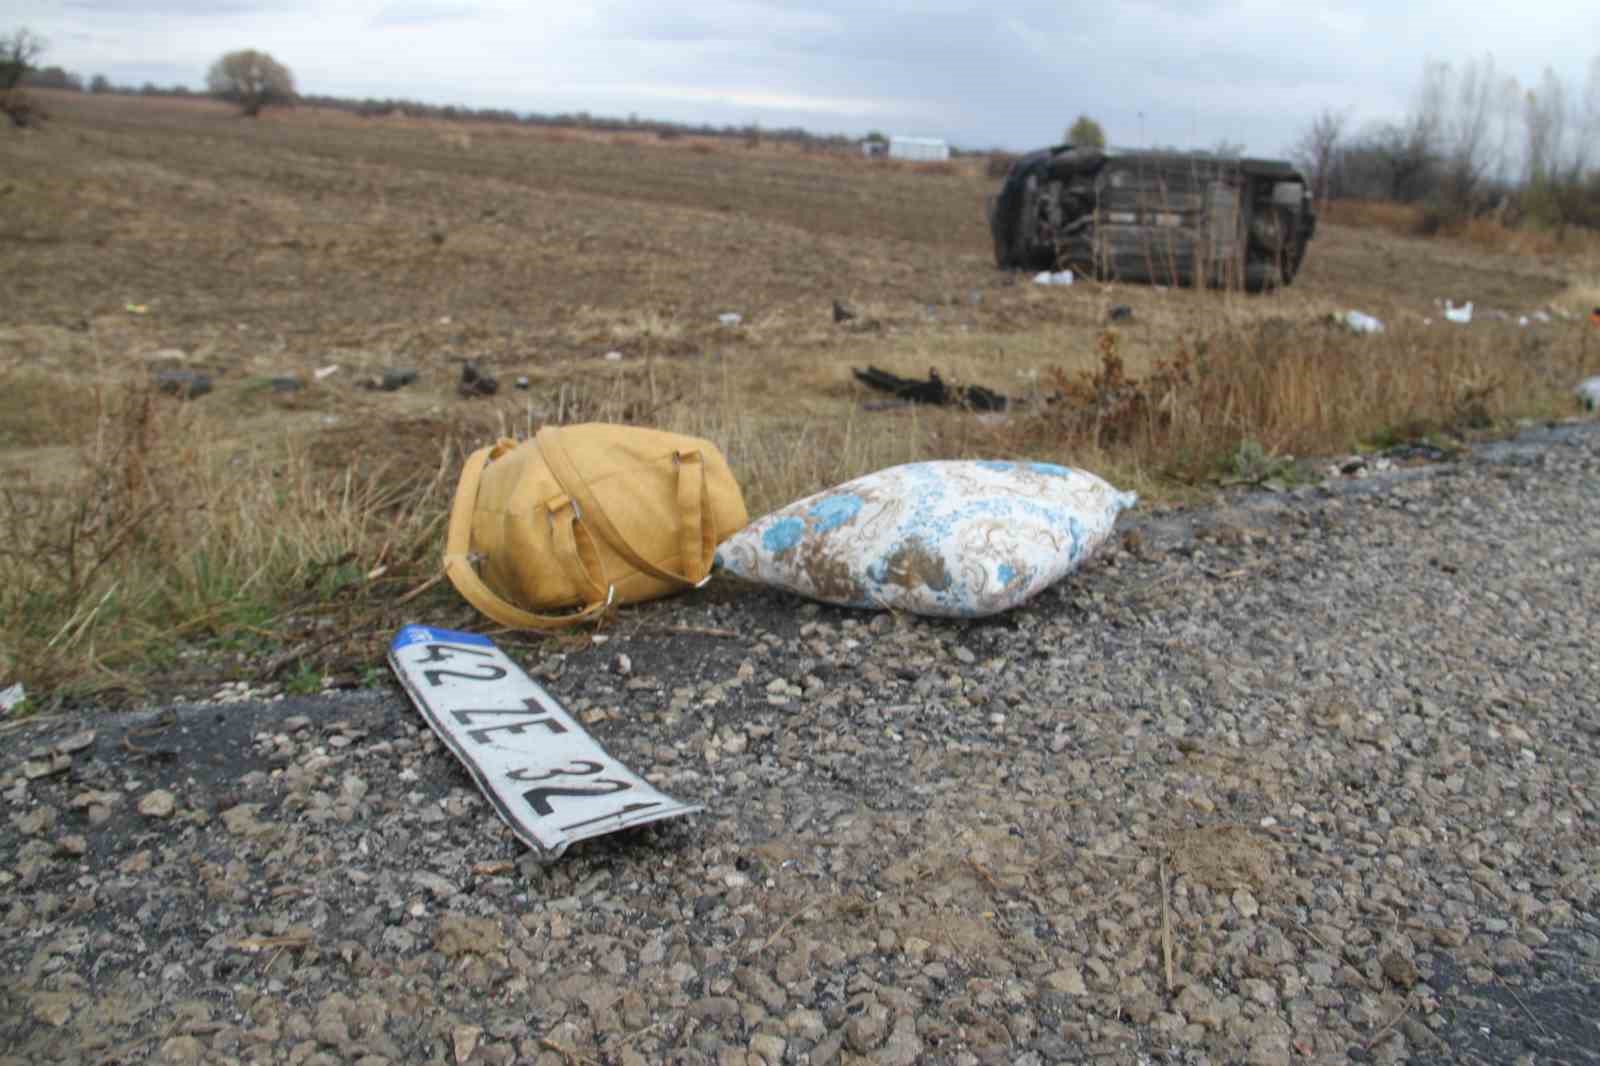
[547, 778]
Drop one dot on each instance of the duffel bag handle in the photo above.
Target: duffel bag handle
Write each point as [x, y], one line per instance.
[464, 576]
[690, 468]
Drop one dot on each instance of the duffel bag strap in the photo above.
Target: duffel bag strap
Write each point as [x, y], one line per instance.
[691, 489]
[464, 576]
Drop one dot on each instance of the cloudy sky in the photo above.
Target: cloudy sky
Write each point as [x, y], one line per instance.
[1189, 73]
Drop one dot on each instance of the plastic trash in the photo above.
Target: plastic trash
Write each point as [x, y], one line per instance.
[613, 357]
[730, 318]
[1462, 314]
[1060, 277]
[1588, 392]
[1361, 322]
[11, 697]
[189, 384]
[953, 539]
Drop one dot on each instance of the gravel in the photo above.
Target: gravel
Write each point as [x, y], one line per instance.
[1297, 777]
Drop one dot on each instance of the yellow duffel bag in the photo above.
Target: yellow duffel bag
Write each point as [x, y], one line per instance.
[587, 516]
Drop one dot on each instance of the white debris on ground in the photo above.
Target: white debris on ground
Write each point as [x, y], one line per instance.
[1059, 277]
[1462, 314]
[1588, 393]
[1360, 322]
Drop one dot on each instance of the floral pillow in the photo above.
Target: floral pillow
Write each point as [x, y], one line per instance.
[954, 539]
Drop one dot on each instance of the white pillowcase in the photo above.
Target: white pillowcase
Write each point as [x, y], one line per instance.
[953, 539]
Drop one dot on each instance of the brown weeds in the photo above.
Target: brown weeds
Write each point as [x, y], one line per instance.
[1281, 387]
[141, 526]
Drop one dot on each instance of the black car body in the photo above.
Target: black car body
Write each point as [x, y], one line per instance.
[1165, 218]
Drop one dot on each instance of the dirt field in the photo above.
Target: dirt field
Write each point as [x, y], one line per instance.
[310, 238]
[146, 235]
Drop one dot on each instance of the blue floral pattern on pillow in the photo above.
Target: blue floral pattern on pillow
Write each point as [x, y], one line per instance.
[954, 539]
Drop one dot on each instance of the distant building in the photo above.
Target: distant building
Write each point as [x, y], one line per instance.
[918, 148]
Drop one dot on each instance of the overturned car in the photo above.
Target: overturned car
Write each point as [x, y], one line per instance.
[1166, 218]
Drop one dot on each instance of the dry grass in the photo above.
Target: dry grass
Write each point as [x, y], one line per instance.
[143, 233]
[1486, 234]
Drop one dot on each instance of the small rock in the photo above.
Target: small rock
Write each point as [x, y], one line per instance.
[864, 1032]
[1068, 981]
[53, 1008]
[769, 1049]
[241, 820]
[1254, 988]
[182, 1051]
[158, 803]
[73, 844]
[36, 821]
[1245, 903]
[464, 1038]
[33, 769]
[1400, 971]
[76, 742]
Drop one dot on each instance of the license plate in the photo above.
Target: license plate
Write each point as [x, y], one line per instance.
[550, 781]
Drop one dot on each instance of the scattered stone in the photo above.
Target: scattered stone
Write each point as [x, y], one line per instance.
[33, 769]
[76, 742]
[158, 803]
[35, 822]
[1069, 981]
[1401, 971]
[464, 1039]
[1365, 780]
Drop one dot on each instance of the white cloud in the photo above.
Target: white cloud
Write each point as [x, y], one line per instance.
[1188, 72]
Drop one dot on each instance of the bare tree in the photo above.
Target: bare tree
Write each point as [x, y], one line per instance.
[1544, 128]
[1588, 122]
[251, 79]
[1317, 151]
[1508, 115]
[1467, 133]
[17, 53]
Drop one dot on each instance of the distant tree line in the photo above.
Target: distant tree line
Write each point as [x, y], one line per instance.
[1473, 143]
[380, 107]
